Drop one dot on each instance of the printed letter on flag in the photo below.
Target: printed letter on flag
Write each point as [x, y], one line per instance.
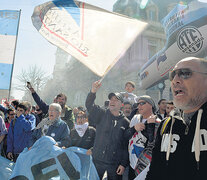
[96, 37]
[9, 21]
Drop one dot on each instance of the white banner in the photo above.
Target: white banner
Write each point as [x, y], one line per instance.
[94, 36]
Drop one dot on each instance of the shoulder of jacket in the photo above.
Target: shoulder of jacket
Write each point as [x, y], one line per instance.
[164, 125]
[68, 108]
[91, 128]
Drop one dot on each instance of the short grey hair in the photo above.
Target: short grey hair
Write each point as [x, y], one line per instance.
[202, 62]
[56, 106]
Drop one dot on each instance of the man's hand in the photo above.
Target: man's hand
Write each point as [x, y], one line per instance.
[31, 88]
[95, 86]
[10, 155]
[139, 126]
[89, 152]
[7, 104]
[151, 119]
[120, 170]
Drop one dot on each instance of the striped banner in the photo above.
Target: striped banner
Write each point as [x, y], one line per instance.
[9, 20]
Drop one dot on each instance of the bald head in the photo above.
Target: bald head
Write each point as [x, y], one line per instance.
[189, 83]
[201, 62]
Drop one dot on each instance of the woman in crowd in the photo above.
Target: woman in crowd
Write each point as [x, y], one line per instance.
[82, 135]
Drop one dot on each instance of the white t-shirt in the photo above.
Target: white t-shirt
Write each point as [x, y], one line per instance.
[137, 142]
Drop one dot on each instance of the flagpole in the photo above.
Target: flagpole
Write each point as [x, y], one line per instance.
[14, 55]
[102, 78]
[106, 72]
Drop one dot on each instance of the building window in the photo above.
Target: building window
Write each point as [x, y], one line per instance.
[152, 15]
[152, 12]
[152, 48]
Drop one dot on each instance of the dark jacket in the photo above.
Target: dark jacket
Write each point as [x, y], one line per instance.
[182, 163]
[59, 131]
[159, 115]
[86, 142]
[110, 146]
[68, 118]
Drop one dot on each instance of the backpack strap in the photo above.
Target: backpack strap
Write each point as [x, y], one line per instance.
[164, 125]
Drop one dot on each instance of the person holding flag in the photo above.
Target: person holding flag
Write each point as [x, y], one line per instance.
[110, 147]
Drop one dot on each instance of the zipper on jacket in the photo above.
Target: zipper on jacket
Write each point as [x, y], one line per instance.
[186, 129]
[197, 165]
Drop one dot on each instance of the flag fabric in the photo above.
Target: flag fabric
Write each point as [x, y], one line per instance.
[6, 168]
[45, 160]
[9, 20]
[94, 36]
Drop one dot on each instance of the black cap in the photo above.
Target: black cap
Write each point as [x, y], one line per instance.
[117, 95]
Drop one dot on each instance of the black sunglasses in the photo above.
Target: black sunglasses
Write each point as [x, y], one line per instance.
[141, 103]
[183, 73]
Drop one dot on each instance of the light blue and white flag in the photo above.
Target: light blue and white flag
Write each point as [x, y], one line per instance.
[94, 36]
[6, 168]
[9, 20]
[47, 161]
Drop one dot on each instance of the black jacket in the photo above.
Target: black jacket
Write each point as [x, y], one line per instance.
[159, 115]
[182, 163]
[86, 141]
[110, 146]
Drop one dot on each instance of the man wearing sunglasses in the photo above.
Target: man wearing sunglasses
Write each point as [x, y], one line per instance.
[181, 146]
[110, 147]
[143, 127]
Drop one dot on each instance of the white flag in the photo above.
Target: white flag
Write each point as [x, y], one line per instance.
[96, 37]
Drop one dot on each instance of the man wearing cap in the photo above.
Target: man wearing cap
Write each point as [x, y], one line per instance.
[110, 151]
[143, 127]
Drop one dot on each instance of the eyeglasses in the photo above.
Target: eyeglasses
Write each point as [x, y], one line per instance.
[183, 73]
[11, 114]
[141, 103]
[80, 117]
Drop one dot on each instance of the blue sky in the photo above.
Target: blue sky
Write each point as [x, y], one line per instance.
[32, 48]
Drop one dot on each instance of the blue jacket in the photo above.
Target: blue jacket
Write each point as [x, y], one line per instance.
[69, 116]
[59, 131]
[19, 133]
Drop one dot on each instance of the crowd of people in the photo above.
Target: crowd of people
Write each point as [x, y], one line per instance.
[127, 137]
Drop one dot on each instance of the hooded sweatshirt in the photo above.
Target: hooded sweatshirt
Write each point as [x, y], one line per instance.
[181, 148]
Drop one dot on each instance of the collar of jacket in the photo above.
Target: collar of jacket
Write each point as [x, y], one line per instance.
[178, 113]
[57, 123]
[119, 116]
